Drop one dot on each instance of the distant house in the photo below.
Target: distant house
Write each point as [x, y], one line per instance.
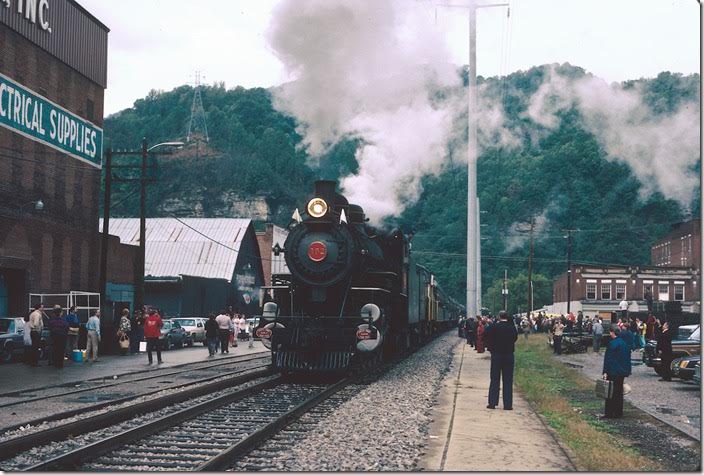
[681, 247]
[194, 266]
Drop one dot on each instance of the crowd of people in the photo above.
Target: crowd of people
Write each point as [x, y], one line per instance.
[627, 334]
[144, 325]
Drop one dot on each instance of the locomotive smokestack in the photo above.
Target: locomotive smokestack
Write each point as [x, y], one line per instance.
[326, 190]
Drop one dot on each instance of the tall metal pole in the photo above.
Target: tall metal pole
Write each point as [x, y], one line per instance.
[530, 265]
[139, 297]
[472, 164]
[504, 290]
[569, 268]
[479, 258]
[106, 226]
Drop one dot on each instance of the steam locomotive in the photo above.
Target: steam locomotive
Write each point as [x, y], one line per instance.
[355, 294]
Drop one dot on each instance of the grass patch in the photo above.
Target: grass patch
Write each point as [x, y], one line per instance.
[562, 396]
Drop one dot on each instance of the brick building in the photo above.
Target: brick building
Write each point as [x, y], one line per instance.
[681, 247]
[600, 289]
[53, 72]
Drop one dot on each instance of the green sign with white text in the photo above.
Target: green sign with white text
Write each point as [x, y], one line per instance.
[36, 117]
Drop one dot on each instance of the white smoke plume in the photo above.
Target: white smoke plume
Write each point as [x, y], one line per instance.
[368, 69]
[518, 234]
[660, 149]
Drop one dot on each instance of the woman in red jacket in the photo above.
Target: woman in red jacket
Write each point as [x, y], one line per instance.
[152, 332]
[480, 336]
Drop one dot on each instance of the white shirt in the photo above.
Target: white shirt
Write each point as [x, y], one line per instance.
[223, 321]
[623, 305]
[27, 334]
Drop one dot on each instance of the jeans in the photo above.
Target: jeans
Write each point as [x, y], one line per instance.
[224, 336]
[501, 369]
[154, 344]
[596, 345]
[212, 345]
[92, 345]
[36, 348]
[71, 344]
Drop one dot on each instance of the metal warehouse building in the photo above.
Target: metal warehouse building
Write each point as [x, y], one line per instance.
[197, 265]
[53, 73]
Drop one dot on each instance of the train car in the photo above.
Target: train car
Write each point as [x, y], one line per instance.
[354, 294]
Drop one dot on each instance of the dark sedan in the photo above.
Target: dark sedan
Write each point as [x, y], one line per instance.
[680, 348]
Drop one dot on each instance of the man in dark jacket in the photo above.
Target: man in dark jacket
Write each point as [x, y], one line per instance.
[58, 330]
[617, 365]
[664, 349]
[501, 337]
[470, 330]
[211, 334]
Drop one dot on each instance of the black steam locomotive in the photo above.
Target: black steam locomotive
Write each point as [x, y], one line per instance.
[354, 296]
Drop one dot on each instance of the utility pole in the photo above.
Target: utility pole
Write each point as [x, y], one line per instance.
[530, 265]
[139, 293]
[478, 242]
[106, 226]
[504, 289]
[569, 267]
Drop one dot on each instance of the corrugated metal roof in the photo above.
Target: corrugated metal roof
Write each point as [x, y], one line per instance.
[182, 248]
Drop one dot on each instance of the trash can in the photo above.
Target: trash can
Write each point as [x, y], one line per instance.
[77, 356]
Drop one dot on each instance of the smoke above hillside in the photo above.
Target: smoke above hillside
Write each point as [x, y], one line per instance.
[368, 69]
[661, 149]
[380, 71]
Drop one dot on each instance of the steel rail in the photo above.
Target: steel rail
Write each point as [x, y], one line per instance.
[12, 447]
[225, 458]
[160, 374]
[72, 459]
[100, 405]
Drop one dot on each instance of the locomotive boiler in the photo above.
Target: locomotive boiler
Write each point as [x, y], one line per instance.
[354, 294]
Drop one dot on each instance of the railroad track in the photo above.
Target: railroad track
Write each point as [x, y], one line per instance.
[96, 394]
[206, 436]
[109, 417]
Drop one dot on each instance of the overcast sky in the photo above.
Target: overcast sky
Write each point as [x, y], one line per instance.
[158, 44]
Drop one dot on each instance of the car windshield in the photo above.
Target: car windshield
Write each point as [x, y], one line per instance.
[5, 325]
[187, 323]
[695, 334]
[167, 326]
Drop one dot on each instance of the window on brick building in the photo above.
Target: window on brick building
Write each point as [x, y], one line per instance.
[605, 291]
[648, 288]
[620, 291]
[663, 292]
[679, 292]
[591, 291]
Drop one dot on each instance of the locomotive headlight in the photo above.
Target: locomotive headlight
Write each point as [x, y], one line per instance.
[317, 207]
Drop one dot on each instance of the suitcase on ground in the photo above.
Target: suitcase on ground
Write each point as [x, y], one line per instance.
[604, 388]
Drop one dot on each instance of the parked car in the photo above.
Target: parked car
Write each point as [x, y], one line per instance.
[172, 335]
[680, 348]
[683, 368]
[195, 329]
[685, 331]
[697, 377]
[12, 338]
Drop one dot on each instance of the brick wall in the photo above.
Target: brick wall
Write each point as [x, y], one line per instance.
[56, 249]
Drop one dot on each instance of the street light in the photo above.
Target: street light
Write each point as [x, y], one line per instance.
[38, 206]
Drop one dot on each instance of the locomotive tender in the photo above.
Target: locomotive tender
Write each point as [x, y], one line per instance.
[355, 294]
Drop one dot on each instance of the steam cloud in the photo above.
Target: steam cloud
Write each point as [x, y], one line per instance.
[367, 69]
[661, 150]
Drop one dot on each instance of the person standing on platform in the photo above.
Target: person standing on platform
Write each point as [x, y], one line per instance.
[124, 330]
[224, 322]
[664, 349]
[501, 338]
[73, 326]
[36, 325]
[211, 335]
[152, 332]
[623, 307]
[597, 334]
[470, 330]
[479, 343]
[137, 333]
[617, 366]
[58, 331]
[93, 336]
[627, 336]
[557, 331]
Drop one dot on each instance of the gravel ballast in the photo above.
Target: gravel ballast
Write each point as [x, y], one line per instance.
[382, 427]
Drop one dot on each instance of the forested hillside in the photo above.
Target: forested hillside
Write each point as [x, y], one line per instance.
[562, 174]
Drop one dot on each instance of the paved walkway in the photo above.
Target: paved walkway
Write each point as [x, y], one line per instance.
[18, 376]
[466, 436]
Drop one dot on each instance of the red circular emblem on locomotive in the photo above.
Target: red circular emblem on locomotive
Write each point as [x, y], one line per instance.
[317, 251]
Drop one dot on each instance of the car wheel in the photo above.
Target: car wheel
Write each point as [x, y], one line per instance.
[6, 354]
[180, 343]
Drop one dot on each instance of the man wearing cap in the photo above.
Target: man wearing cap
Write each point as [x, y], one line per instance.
[501, 337]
